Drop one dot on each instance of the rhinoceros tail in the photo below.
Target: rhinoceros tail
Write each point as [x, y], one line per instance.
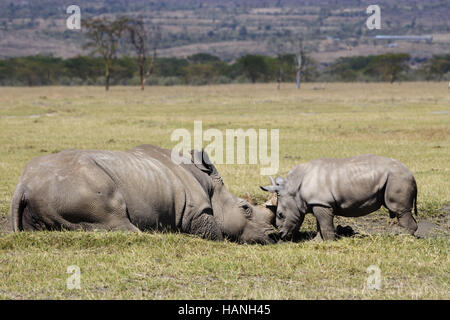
[415, 203]
[415, 198]
[18, 205]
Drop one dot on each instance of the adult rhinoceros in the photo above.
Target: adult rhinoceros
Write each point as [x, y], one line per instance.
[349, 187]
[141, 189]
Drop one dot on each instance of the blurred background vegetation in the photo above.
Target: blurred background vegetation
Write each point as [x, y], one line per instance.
[203, 68]
[214, 41]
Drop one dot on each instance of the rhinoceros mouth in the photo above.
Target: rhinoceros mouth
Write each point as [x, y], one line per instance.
[274, 237]
[285, 235]
[269, 237]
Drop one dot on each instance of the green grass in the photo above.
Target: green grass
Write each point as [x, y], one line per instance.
[399, 121]
[175, 266]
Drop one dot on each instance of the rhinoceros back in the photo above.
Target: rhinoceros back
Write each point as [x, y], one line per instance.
[353, 186]
[93, 188]
[159, 193]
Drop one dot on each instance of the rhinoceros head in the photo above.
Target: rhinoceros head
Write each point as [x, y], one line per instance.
[290, 209]
[246, 223]
[238, 219]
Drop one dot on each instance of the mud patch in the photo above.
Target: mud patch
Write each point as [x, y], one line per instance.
[345, 231]
[425, 228]
[446, 209]
[377, 224]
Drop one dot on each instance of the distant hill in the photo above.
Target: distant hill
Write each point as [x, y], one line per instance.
[231, 28]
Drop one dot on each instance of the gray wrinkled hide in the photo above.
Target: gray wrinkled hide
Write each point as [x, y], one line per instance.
[141, 189]
[349, 187]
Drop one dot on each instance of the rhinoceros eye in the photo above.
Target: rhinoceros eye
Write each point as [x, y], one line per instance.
[247, 209]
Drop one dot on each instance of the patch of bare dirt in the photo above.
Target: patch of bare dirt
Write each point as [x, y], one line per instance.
[377, 224]
[373, 224]
[430, 227]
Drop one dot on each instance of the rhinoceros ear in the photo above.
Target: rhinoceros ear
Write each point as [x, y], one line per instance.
[201, 160]
[272, 188]
[248, 198]
[269, 188]
[279, 181]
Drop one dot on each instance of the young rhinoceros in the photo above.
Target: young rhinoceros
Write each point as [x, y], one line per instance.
[349, 187]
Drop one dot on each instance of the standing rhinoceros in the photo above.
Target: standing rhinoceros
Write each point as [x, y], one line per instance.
[141, 189]
[349, 187]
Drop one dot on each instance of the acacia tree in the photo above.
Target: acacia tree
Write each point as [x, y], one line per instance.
[141, 39]
[253, 66]
[388, 66]
[103, 38]
[437, 66]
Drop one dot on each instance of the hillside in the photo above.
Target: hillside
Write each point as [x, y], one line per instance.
[228, 29]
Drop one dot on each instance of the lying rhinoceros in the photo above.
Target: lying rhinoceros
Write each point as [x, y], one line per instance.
[349, 187]
[141, 189]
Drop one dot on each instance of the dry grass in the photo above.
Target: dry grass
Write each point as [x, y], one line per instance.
[174, 266]
[409, 122]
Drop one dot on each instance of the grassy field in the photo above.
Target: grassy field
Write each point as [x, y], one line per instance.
[409, 122]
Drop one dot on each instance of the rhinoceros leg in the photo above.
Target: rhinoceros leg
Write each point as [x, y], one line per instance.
[324, 217]
[75, 206]
[406, 220]
[123, 225]
[117, 226]
[205, 226]
[34, 220]
[318, 237]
